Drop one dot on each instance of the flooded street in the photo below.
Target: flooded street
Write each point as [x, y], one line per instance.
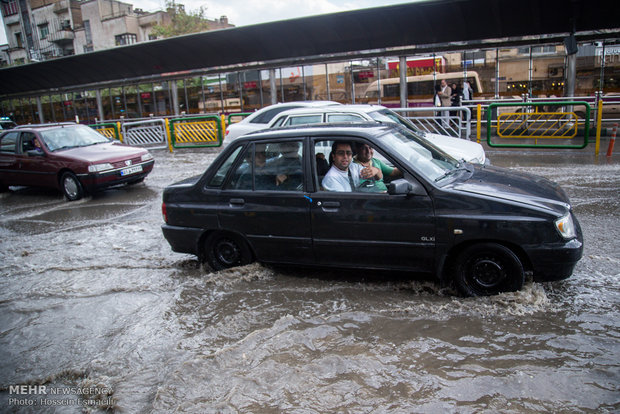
[94, 304]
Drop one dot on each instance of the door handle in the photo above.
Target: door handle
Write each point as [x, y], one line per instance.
[237, 201]
[331, 204]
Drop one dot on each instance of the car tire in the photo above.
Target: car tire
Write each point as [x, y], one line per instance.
[225, 250]
[486, 269]
[71, 186]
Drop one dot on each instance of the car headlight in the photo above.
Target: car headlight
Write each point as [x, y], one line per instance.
[566, 226]
[100, 167]
[147, 157]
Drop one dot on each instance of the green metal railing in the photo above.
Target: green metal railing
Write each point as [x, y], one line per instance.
[537, 125]
[196, 132]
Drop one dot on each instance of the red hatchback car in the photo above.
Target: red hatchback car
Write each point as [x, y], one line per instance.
[72, 158]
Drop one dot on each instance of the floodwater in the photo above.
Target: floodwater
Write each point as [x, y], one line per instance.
[96, 313]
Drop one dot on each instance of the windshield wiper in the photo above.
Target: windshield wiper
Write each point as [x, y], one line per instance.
[65, 147]
[448, 173]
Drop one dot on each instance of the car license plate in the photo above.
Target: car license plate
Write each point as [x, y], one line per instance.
[131, 170]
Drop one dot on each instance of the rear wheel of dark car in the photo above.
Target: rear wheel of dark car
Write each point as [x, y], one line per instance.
[71, 186]
[488, 269]
[225, 250]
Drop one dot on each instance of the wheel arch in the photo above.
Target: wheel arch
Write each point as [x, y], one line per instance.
[448, 259]
[200, 244]
[61, 172]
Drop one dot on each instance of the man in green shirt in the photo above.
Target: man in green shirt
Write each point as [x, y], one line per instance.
[365, 157]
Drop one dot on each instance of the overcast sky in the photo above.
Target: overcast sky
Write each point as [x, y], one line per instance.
[246, 12]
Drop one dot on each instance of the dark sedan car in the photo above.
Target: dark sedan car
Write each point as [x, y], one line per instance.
[73, 158]
[265, 198]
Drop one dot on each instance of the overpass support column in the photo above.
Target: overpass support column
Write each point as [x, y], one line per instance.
[174, 92]
[272, 86]
[40, 110]
[402, 69]
[99, 105]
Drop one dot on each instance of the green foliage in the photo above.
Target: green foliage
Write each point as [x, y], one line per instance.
[182, 22]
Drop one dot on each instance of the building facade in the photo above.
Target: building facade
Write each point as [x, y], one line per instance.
[39, 30]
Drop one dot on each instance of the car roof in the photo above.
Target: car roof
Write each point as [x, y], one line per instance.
[45, 126]
[366, 129]
[331, 109]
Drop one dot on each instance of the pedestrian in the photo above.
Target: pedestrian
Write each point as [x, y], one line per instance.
[445, 94]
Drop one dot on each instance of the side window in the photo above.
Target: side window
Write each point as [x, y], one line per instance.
[220, 175]
[27, 141]
[370, 171]
[271, 166]
[344, 118]
[8, 143]
[305, 119]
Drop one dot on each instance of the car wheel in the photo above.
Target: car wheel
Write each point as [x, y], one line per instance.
[71, 186]
[224, 250]
[488, 269]
[4, 188]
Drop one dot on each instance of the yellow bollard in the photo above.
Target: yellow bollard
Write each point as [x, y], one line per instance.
[479, 122]
[120, 131]
[599, 120]
[223, 131]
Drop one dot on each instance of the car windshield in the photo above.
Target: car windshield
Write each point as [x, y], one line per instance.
[385, 115]
[71, 137]
[421, 156]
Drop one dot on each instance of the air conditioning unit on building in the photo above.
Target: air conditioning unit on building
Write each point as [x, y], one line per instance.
[65, 25]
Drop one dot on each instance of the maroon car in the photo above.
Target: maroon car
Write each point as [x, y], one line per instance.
[73, 158]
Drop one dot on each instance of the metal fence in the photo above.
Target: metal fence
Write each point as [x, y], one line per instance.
[150, 133]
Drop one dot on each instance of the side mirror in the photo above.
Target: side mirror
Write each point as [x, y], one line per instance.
[404, 187]
[35, 153]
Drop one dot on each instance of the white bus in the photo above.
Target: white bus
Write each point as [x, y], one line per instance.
[420, 89]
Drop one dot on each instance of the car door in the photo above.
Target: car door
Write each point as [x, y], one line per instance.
[374, 230]
[8, 162]
[34, 170]
[264, 199]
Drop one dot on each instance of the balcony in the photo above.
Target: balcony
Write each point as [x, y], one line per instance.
[61, 6]
[61, 36]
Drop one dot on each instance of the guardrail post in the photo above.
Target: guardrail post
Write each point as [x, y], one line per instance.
[479, 122]
[612, 140]
[599, 122]
[168, 135]
[119, 129]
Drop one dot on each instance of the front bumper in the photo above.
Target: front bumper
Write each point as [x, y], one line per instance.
[97, 181]
[555, 262]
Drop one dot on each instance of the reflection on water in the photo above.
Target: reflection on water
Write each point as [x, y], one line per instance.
[92, 296]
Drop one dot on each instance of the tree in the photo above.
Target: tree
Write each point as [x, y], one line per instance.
[181, 21]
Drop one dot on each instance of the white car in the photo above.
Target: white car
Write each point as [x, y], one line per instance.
[456, 147]
[261, 118]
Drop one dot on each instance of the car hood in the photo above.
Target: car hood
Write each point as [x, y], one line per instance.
[102, 152]
[458, 148]
[516, 187]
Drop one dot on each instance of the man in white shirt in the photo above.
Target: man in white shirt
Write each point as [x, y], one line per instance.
[344, 174]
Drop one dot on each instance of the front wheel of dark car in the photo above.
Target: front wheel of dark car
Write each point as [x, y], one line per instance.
[225, 250]
[71, 186]
[488, 269]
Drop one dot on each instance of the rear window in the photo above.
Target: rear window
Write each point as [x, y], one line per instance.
[268, 115]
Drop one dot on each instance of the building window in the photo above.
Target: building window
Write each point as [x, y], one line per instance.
[9, 7]
[18, 39]
[87, 33]
[125, 39]
[44, 30]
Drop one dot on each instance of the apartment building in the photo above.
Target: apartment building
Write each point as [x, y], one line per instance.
[38, 30]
